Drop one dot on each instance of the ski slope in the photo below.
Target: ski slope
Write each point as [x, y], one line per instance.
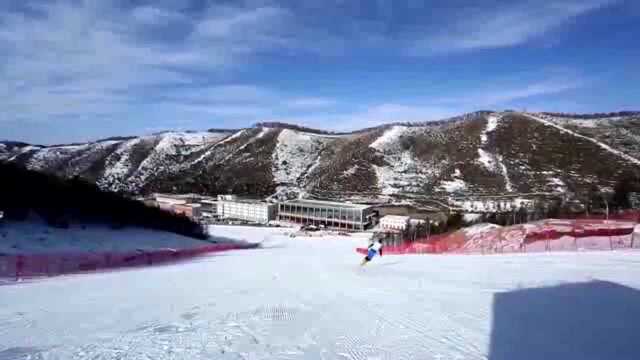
[600, 144]
[306, 298]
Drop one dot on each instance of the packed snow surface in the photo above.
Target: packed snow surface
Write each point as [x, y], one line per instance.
[307, 298]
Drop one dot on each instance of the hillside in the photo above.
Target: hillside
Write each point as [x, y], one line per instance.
[483, 152]
[30, 196]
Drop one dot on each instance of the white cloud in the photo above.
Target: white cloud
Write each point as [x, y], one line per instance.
[506, 92]
[310, 103]
[396, 112]
[227, 22]
[152, 15]
[372, 115]
[505, 26]
[496, 96]
[525, 92]
[85, 57]
[100, 60]
[226, 94]
[250, 112]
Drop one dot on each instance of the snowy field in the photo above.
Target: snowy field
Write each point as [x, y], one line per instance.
[307, 298]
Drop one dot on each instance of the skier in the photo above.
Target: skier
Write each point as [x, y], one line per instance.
[374, 248]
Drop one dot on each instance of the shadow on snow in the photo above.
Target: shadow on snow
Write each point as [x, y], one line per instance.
[577, 321]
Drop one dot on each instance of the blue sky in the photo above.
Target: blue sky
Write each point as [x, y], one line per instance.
[80, 70]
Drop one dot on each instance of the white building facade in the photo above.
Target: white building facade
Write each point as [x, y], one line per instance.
[252, 211]
[330, 214]
[394, 222]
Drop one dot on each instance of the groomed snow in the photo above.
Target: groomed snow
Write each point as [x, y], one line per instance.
[307, 298]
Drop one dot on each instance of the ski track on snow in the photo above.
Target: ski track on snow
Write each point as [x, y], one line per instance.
[305, 299]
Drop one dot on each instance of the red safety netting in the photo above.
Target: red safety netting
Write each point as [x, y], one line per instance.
[547, 235]
[20, 266]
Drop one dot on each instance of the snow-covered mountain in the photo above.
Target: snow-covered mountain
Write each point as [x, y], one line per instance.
[482, 152]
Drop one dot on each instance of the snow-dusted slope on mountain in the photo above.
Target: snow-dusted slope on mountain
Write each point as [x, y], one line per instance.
[482, 152]
[541, 155]
[402, 170]
[296, 154]
[492, 161]
[619, 132]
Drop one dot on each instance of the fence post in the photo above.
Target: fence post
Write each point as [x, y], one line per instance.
[547, 241]
[19, 266]
[575, 235]
[609, 231]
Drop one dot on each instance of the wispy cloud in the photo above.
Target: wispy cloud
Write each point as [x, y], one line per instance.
[151, 15]
[69, 59]
[396, 112]
[372, 115]
[498, 95]
[112, 62]
[310, 103]
[503, 26]
[503, 92]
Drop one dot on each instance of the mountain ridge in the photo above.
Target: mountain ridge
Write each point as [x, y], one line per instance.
[481, 152]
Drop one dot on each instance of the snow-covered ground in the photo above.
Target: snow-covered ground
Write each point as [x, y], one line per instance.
[304, 298]
[37, 238]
